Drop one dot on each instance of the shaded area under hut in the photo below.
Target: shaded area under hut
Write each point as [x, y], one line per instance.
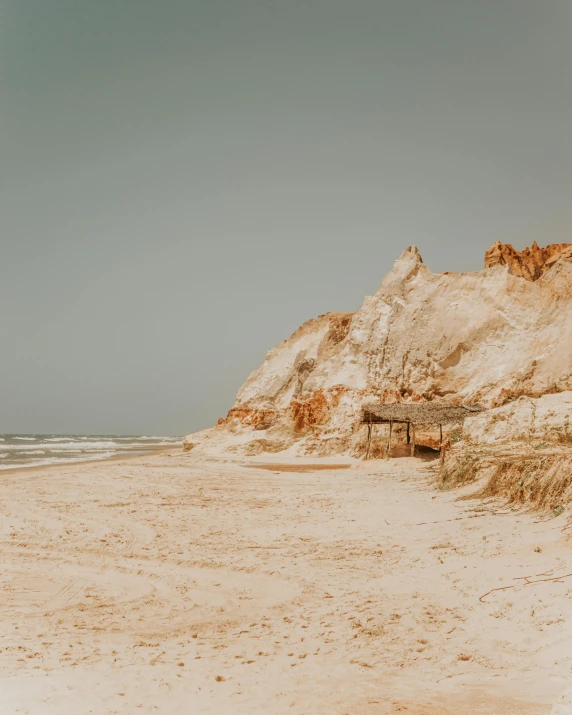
[412, 414]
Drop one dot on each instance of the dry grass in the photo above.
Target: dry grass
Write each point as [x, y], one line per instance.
[541, 481]
[459, 469]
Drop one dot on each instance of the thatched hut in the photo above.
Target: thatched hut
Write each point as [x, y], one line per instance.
[412, 414]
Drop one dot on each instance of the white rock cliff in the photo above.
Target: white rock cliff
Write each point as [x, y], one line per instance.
[486, 337]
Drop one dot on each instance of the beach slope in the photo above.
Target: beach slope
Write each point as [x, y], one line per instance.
[180, 584]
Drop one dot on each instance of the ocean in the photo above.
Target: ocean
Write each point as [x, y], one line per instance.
[34, 450]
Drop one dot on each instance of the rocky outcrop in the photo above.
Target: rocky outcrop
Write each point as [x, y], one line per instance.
[531, 263]
[545, 418]
[488, 337]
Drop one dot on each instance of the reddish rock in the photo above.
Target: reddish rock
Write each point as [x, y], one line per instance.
[531, 263]
[339, 326]
[483, 337]
[248, 416]
[309, 413]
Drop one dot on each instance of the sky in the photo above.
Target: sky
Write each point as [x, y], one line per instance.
[183, 183]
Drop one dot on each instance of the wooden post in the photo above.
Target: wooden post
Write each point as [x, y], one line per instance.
[389, 440]
[412, 439]
[408, 436]
[368, 438]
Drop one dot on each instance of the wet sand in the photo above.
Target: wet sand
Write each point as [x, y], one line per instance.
[182, 585]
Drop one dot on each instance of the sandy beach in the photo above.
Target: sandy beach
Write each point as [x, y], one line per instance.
[185, 585]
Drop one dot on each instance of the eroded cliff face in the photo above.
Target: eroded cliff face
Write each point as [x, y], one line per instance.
[531, 263]
[485, 337]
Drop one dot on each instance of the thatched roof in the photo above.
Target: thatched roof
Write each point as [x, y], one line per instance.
[425, 413]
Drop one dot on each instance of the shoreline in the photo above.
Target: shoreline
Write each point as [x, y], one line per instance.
[159, 450]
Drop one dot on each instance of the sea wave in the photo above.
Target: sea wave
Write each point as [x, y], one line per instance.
[112, 438]
[151, 440]
[56, 460]
[60, 439]
[19, 451]
[86, 446]
[168, 439]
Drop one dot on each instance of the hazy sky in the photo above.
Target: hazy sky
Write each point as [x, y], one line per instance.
[182, 183]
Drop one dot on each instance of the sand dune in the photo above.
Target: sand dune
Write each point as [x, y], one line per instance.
[185, 585]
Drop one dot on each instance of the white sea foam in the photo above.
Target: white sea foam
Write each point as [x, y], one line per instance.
[155, 440]
[57, 460]
[59, 439]
[25, 451]
[61, 446]
[168, 439]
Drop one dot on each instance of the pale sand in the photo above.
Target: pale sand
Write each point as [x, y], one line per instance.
[182, 586]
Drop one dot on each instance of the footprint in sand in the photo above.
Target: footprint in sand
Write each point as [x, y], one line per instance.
[563, 706]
